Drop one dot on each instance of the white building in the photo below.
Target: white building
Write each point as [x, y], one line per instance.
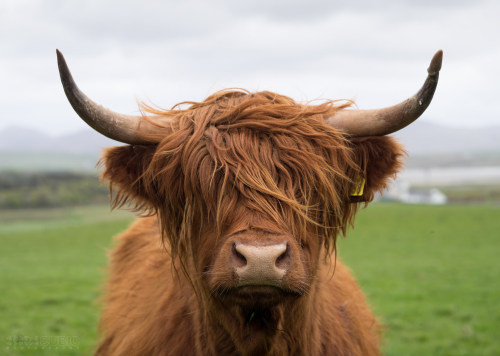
[401, 191]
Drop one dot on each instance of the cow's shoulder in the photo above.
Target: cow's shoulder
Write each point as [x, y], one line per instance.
[347, 322]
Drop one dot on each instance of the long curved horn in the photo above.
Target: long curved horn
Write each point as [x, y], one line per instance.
[379, 122]
[124, 128]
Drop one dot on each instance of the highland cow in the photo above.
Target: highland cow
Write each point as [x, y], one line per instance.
[243, 196]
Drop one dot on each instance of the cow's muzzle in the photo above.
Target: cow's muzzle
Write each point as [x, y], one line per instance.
[260, 265]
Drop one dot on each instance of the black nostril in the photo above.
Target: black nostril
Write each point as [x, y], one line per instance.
[282, 259]
[240, 259]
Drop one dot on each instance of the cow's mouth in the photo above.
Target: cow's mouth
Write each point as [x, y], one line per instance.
[257, 311]
[255, 298]
[260, 318]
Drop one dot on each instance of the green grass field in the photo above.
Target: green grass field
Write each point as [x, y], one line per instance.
[431, 273]
[51, 267]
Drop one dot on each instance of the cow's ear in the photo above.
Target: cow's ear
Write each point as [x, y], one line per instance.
[124, 168]
[380, 159]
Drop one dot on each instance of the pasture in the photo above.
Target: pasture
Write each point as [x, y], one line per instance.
[430, 273]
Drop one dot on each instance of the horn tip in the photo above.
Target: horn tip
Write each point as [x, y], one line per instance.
[60, 57]
[436, 62]
[64, 71]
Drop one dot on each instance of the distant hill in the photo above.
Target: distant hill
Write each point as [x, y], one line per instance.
[23, 149]
[16, 139]
[427, 144]
[423, 138]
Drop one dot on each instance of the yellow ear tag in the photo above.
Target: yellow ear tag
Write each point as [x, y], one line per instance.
[358, 187]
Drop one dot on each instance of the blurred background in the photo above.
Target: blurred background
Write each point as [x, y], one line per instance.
[425, 253]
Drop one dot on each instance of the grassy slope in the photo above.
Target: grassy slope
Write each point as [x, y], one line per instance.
[48, 161]
[431, 273]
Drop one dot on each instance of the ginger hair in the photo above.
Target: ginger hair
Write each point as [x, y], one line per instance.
[263, 150]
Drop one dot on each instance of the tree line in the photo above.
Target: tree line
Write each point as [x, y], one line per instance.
[50, 189]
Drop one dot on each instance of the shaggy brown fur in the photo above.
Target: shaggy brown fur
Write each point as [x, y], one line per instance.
[251, 166]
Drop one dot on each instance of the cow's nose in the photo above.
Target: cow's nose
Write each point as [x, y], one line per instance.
[261, 264]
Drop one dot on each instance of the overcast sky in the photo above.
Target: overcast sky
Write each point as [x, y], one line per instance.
[164, 52]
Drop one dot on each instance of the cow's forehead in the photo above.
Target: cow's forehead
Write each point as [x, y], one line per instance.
[245, 220]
